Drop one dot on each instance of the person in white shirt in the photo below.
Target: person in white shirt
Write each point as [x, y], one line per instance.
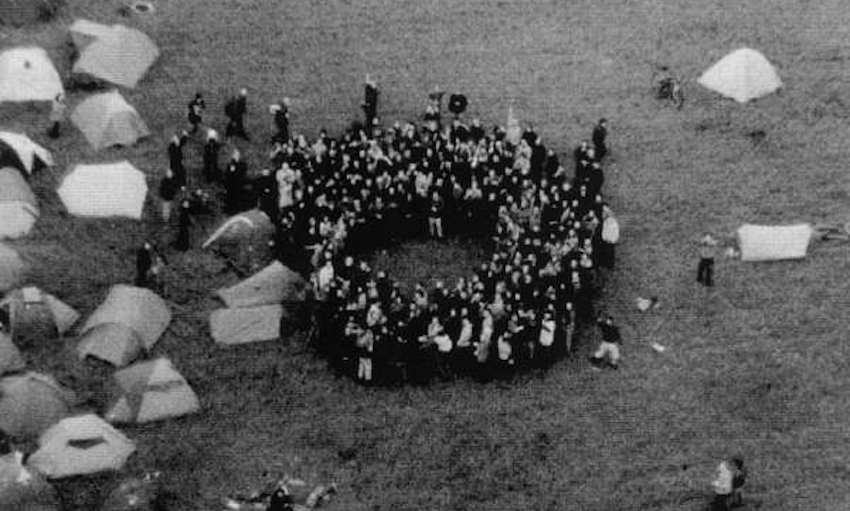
[547, 337]
[722, 486]
[609, 238]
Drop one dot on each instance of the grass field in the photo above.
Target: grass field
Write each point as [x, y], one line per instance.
[757, 367]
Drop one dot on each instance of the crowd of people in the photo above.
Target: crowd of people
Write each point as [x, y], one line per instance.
[334, 200]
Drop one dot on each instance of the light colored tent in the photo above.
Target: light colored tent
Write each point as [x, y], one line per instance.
[79, 445]
[30, 307]
[26, 74]
[19, 151]
[272, 285]
[117, 54]
[25, 12]
[12, 268]
[150, 391]
[240, 326]
[742, 75]
[22, 489]
[244, 226]
[104, 190]
[111, 342]
[107, 120]
[18, 205]
[11, 360]
[32, 402]
[773, 242]
[84, 32]
[138, 309]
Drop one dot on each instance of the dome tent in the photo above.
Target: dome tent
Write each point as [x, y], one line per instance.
[27, 74]
[19, 151]
[12, 268]
[105, 190]
[150, 391]
[114, 54]
[18, 205]
[32, 402]
[743, 75]
[26, 12]
[30, 308]
[107, 120]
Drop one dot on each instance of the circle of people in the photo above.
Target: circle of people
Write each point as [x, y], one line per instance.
[333, 201]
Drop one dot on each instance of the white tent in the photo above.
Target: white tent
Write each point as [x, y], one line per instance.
[116, 54]
[773, 242]
[18, 205]
[108, 120]
[104, 190]
[27, 74]
[22, 153]
[240, 326]
[742, 75]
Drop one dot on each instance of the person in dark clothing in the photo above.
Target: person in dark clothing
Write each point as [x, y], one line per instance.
[281, 121]
[705, 268]
[739, 478]
[211, 149]
[370, 101]
[235, 110]
[280, 500]
[435, 216]
[195, 111]
[610, 345]
[175, 158]
[144, 261]
[600, 132]
[168, 189]
[184, 223]
[267, 194]
[457, 104]
[57, 115]
[234, 182]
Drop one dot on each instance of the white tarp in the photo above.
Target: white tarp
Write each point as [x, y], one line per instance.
[773, 242]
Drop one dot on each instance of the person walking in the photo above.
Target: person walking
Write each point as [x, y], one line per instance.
[705, 268]
[57, 115]
[610, 345]
[600, 133]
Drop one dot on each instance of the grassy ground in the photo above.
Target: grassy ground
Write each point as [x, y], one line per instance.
[756, 367]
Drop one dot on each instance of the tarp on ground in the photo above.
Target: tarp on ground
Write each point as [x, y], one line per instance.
[12, 268]
[240, 326]
[18, 205]
[107, 120]
[115, 54]
[84, 444]
[150, 391]
[30, 306]
[32, 402]
[272, 285]
[19, 151]
[139, 309]
[773, 242]
[743, 75]
[27, 74]
[105, 190]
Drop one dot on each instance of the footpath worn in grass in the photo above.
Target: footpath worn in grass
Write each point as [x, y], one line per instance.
[756, 367]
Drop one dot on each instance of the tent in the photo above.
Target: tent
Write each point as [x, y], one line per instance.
[32, 402]
[26, 74]
[18, 205]
[22, 489]
[249, 225]
[107, 120]
[12, 268]
[104, 190]
[773, 242]
[240, 326]
[11, 360]
[85, 444]
[116, 54]
[150, 391]
[742, 75]
[32, 308]
[111, 342]
[19, 151]
[25, 12]
[272, 285]
[138, 309]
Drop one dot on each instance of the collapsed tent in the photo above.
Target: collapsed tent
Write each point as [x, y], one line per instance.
[130, 320]
[12, 268]
[773, 242]
[79, 445]
[105, 190]
[30, 308]
[19, 151]
[115, 54]
[244, 325]
[32, 402]
[18, 205]
[742, 75]
[272, 285]
[107, 120]
[150, 391]
[18, 13]
[246, 226]
[11, 360]
[27, 74]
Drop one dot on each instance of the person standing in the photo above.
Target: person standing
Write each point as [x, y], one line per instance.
[610, 345]
[168, 189]
[195, 110]
[722, 486]
[600, 133]
[435, 215]
[235, 110]
[608, 239]
[184, 223]
[705, 268]
[175, 158]
[739, 478]
[281, 121]
[211, 149]
[57, 115]
[370, 101]
[234, 182]
[144, 262]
